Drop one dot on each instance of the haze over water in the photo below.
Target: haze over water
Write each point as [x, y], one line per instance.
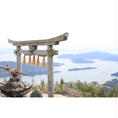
[101, 74]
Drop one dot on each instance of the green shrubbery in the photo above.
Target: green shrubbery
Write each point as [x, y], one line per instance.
[86, 89]
[59, 87]
[4, 80]
[42, 86]
[34, 87]
[114, 92]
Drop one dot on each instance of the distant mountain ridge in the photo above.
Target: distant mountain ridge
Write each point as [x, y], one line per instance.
[110, 85]
[89, 57]
[31, 70]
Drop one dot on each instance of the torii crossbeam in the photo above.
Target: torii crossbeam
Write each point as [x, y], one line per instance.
[50, 52]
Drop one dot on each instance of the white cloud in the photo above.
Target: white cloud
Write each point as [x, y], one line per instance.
[90, 23]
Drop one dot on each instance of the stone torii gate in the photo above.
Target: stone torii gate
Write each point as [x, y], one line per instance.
[50, 52]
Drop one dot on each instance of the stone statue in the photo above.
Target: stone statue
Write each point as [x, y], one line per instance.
[14, 87]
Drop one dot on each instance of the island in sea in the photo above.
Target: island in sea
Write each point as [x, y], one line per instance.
[90, 57]
[115, 74]
[78, 69]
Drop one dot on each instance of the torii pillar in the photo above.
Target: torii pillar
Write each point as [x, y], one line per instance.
[50, 74]
[50, 52]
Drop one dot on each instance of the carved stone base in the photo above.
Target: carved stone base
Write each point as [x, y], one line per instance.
[15, 88]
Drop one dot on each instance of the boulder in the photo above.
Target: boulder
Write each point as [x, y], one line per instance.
[36, 93]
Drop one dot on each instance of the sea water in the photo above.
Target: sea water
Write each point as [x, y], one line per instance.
[101, 74]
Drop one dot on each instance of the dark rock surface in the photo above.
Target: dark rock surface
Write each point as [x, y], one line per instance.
[36, 93]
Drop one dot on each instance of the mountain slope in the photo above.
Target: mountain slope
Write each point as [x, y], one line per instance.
[89, 57]
[30, 70]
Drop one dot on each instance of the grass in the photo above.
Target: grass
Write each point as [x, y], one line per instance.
[86, 89]
[114, 92]
[58, 88]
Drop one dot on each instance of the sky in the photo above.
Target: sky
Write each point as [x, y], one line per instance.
[91, 24]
